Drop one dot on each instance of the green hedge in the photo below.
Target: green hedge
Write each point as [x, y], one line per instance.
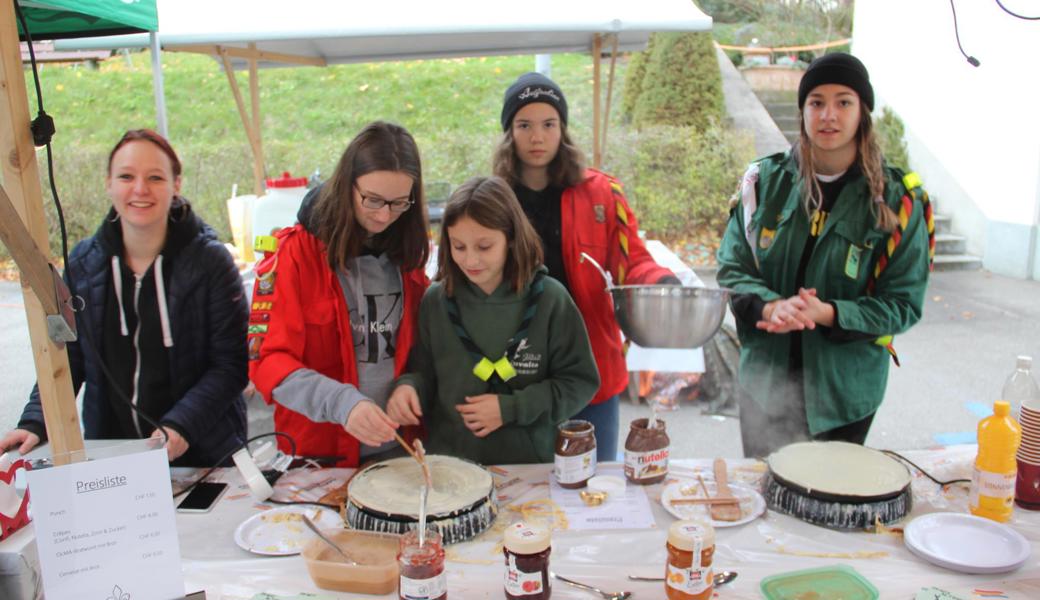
[679, 179]
[889, 131]
[634, 79]
[680, 83]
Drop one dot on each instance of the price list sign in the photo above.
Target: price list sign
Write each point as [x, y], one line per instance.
[106, 529]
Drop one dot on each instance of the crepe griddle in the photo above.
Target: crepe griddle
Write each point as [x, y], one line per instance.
[838, 485]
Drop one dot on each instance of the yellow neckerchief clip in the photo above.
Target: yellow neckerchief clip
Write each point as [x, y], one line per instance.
[502, 366]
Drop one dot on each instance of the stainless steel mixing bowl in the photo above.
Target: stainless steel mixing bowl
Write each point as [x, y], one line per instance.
[669, 316]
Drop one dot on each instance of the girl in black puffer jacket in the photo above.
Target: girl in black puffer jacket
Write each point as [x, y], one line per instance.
[165, 311]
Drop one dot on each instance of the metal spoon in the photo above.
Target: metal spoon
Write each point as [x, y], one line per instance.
[607, 595]
[721, 578]
[606, 275]
[310, 525]
[424, 493]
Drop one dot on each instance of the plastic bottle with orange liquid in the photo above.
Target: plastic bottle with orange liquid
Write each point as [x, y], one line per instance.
[993, 481]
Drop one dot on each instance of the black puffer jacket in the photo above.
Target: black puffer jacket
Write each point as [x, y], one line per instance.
[208, 317]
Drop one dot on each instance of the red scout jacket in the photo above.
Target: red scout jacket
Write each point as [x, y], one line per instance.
[596, 220]
[303, 323]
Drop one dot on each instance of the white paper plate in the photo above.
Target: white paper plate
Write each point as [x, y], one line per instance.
[280, 531]
[752, 504]
[966, 543]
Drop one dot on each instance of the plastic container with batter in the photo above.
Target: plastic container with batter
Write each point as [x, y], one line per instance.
[376, 554]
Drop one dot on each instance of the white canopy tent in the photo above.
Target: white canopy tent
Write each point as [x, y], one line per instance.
[248, 34]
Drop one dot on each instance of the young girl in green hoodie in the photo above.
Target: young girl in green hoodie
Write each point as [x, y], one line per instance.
[503, 356]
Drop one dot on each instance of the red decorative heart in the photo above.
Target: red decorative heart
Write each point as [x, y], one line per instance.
[11, 524]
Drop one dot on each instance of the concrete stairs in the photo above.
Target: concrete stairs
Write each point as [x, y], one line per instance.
[951, 249]
[782, 106]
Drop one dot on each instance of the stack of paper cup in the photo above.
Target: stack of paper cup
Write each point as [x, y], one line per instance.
[1027, 485]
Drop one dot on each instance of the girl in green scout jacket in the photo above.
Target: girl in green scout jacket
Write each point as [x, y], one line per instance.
[828, 252]
[502, 356]
[575, 210]
[335, 303]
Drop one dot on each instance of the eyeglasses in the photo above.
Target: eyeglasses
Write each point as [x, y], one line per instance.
[399, 205]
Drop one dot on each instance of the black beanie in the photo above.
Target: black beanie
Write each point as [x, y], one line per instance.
[841, 68]
[530, 88]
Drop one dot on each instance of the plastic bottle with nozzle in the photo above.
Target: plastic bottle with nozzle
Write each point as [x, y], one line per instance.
[993, 480]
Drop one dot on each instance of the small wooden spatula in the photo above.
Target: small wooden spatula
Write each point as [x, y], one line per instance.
[723, 512]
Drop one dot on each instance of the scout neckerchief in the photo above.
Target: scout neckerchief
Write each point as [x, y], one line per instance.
[497, 373]
[622, 234]
[914, 191]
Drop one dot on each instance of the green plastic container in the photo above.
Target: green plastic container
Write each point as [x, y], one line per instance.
[838, 582]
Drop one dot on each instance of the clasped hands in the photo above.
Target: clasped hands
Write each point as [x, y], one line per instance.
[799, 312]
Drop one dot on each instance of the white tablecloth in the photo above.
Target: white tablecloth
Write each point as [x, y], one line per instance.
[769, 545]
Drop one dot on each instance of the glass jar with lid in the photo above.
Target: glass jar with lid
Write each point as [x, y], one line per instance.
[526, 549]
[575, 460]
[422, 567]
[646, 452]
[691, 548]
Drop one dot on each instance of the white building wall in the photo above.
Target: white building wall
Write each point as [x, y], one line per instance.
[973, 132]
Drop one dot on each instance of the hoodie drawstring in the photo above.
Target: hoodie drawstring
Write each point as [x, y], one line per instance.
[117, 282]
[160, 292]
[164, 314]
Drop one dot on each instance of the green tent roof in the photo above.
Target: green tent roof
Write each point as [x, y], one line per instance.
[55, 19]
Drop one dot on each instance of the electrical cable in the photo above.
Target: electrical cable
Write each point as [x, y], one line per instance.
[1014, 14]
[292, 445]
[923, 472]
[971, 59]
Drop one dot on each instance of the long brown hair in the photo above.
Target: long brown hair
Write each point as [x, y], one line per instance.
[491, 203]
[868, 155]
[380, 146]
[567, 168]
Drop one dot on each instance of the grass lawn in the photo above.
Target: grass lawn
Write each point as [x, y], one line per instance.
[308, 116]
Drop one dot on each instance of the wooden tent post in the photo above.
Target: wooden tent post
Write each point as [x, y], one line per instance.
[21, 180]
[597, 50]
[247, 123]
[610, 92]
[251, 123]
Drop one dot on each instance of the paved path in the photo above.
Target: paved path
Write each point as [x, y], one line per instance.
[954, 365]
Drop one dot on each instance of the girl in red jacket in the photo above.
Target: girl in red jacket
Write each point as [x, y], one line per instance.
[575, 210]
[335, 305]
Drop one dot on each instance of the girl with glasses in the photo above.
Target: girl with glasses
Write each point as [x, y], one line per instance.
[334, 306]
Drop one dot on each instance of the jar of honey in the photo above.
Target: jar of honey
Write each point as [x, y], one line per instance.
[422, 567]
[526, 550]
[688, 573]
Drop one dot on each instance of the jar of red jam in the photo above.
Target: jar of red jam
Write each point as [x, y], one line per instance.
[691, 548]
[575, 460]
[422, 567]
[646, 452]
[526, 550]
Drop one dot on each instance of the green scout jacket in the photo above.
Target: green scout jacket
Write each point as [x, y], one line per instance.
[843, 382]
[556, 373]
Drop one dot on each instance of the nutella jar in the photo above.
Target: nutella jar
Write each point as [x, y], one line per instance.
[575, 453]
[646, 452]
